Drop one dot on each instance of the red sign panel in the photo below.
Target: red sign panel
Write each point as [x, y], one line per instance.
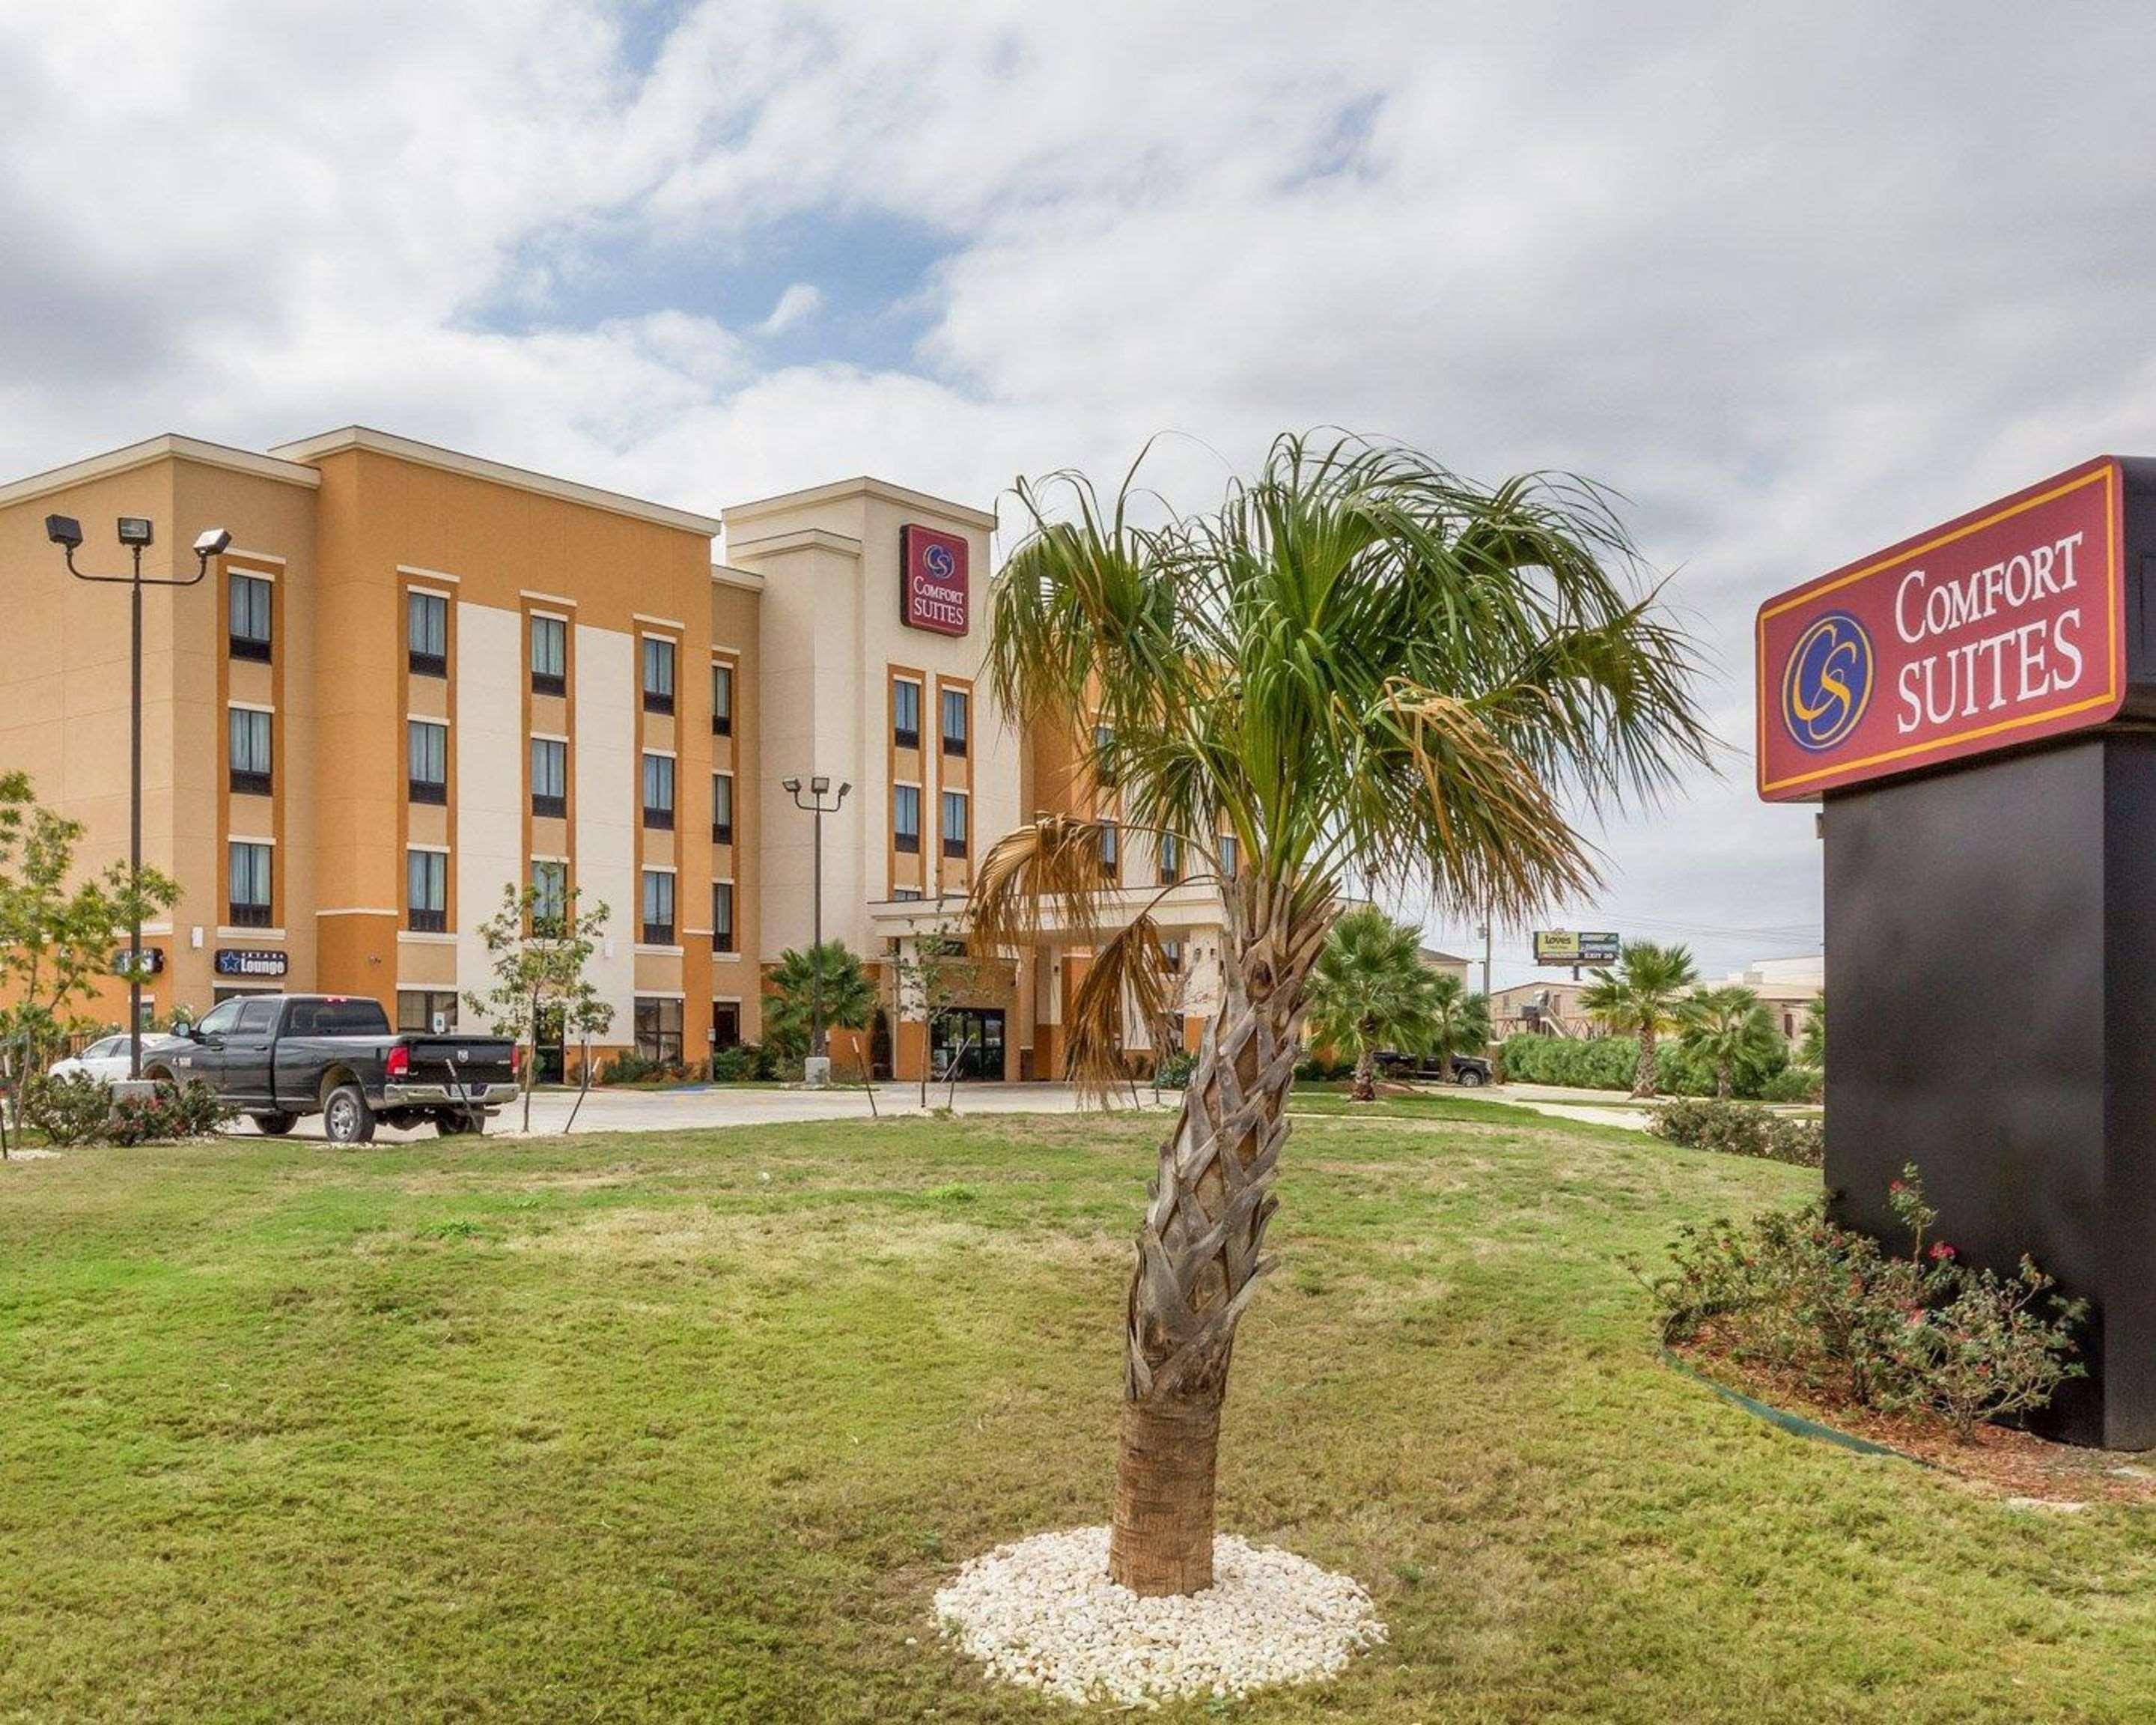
[933, 574]
[2003, 626]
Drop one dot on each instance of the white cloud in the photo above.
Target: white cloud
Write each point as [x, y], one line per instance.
[1795, 284]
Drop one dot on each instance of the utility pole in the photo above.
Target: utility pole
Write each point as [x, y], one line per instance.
[1486, 956]
[817, 1069]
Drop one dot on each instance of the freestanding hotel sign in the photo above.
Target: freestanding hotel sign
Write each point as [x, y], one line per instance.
[2003, 627]
[1975, 710]
[932, 580]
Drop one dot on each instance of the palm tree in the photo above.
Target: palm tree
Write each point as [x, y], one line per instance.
[1812, 1049]
[1724, 1026]
[848, 999]
[1370, 989]
[1641, 996]
[1462, 1020]
[1359, 664]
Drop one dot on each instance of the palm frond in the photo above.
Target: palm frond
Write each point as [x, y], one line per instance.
[1055, 861]
[1130, 965]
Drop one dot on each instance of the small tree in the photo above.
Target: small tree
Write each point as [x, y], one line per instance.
[540, 957]
[849, 1000]
[1640, 996]
[1370, 989]
[57, 939]
[1459, 1022]
[926, 984]
[1727, 1027]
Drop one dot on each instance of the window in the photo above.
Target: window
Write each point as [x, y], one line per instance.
[722, 700]
[247, 599]
[725, 1023]
[220, 1018]
[550, 776]
[906, 713]
[249, 866]
[426, 761]
[722, 916]
[722, 809]
[1171, 859]
[550, 656]
[1104, 740]
[658, 908]
[335, 1017]
[954, 823]
[1109, 865]
[550, 891]
[658, 674]
[418, 1008]
[256, 1018]
[1171, 952]
[659, 791]
[658, 1030]
[957, 704]
[907, 896]
[427, 633]
[248, 731]
[1227, 854]
[906, 818]
[427, 890]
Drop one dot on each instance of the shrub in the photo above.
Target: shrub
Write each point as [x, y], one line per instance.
[736, 1064]
[1612, 1063]
[630, 1067]
[1793, 1084]
[1312, 1069]
[1174, 1071]
[1918, 1332]
[1740, 1129]
[192, 1111]
[67, 1111]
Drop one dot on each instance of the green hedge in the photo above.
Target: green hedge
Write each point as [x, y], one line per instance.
[1611, 1063]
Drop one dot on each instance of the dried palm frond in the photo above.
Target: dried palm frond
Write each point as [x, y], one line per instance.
[1130, 963]
[1055, 862]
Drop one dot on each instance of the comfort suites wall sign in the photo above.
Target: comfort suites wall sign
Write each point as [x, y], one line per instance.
[932, 580]
[2001, 627]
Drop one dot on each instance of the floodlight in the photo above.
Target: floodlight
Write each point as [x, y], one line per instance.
[819, 784]
[843, 789]
[213, 543]
[135, 530]
[64, 531]
[793, 785]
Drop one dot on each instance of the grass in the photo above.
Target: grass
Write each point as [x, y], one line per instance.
[690, 1427]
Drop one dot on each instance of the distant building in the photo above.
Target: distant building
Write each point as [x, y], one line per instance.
[1786, 987]
[1548, 1008]
[1449, 964]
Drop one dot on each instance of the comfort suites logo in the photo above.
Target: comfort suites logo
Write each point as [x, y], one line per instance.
[932, 592]
[1827, 683]
[1998, 627]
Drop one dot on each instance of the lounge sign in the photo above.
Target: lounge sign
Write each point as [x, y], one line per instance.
[933, 568]
[2003, 626]
[249, 960]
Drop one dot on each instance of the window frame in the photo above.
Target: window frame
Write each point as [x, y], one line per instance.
[552, 867]
[958, 848]
[249, 913]
[251, 781]
[426, 918]
[724, 936]
[722, 831]
[258, 649]
[955, 742]
[550, 805]
[722, 711]
[423, 661]
[902, 735]
[905, 843]
[427, 791]
[659, 650]
[660, 1036]
[543, 681]
[657, 765]
[652, 934]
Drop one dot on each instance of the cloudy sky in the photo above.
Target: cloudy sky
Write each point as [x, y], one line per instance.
[1795, 281]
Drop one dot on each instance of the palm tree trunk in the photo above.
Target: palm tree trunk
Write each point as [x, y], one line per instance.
[1198, 1250]
[1722, 1080]
[1366, 1076]
[1643, 1083]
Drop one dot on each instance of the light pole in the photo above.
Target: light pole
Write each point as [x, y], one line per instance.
[135, 532]
[818, 788]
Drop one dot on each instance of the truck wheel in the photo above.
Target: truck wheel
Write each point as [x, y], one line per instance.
[346, 1116]
[1470, 1078]
[275, 1125]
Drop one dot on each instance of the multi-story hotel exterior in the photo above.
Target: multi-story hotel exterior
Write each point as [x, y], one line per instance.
[417, 678]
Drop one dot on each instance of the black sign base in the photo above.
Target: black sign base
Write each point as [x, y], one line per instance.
[1991, 962]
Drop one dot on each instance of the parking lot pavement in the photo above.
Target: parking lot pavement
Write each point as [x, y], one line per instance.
[693, 1108]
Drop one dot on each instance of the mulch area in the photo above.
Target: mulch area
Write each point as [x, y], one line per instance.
[1998, 1459]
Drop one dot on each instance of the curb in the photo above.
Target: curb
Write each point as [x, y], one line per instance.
[1796, 1424]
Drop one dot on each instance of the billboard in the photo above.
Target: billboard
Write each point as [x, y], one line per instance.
[2000, 627]
[1566, 945]
[933, 593]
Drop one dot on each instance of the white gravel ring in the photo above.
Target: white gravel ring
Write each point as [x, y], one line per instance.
[1042, 1612]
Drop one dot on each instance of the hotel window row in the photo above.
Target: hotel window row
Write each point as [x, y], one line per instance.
[957, 705]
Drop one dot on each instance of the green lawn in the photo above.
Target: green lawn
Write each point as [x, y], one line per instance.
[691, 1428]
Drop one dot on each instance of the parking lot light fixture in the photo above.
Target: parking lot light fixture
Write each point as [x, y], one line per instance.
[134, 532]
[818, 787]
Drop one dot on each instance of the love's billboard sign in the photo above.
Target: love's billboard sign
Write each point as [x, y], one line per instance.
[933, 593]
[2003, 626]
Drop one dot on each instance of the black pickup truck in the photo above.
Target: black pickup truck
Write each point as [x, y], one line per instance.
[276, 1057]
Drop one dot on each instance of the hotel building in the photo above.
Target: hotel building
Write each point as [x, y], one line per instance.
[417, 679]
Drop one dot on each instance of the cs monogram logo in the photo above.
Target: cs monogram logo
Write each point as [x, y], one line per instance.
[1827, 683]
